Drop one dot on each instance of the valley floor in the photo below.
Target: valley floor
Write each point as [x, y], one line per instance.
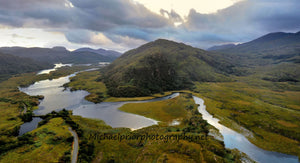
[270, 110]
[270, 113]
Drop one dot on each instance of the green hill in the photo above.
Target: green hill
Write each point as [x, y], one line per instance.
[10, 65]
[163, 65]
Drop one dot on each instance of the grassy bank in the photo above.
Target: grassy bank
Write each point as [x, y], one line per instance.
[165, 111]
[204, 149]
[272, 115]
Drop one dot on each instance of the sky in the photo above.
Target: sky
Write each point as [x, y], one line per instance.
[125, 24]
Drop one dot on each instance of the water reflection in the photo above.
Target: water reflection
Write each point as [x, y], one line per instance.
[29, 126]
[233, 139]
[57, 98]
[58, 65]
[108, 112]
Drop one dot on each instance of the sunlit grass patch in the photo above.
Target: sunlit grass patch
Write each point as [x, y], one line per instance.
[165, 111]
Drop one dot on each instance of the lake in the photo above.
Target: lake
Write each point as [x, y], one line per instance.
[57, 97]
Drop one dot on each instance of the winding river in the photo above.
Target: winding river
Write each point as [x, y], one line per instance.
[57, 97]
[233, 139]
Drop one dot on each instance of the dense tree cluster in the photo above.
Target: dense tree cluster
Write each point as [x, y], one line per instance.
[156, 74]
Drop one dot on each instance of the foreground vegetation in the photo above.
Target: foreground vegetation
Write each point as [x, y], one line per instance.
[51, 142]
[205, 149]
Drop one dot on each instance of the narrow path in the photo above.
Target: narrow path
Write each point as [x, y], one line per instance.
[75, 146]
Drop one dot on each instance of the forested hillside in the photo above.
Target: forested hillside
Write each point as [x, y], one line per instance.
[164, 65]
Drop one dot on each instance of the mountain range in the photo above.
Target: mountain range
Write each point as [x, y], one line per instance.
[14, 60]
[61, 54]
[100, 51]
[164, 65]
[268, 49]
[274, 57]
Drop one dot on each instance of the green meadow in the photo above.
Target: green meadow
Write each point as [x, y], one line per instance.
[270, 110]
[164, 111]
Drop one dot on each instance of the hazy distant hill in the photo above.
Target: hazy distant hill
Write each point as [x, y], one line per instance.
[10, 65]
[274, 57]
[163, 65]
[57, 54]
[104, 52]
[268, 49]
[221, 47]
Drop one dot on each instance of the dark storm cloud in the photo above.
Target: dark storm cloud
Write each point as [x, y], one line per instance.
[120, 12]
[114, 21]
[34, 13]
[79, 36]
[247, 19]
[133, 32]
[278, 15]
[28, 4]
[87, 14]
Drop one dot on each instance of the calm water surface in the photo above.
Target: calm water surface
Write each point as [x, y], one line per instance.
[57, 97]
[56, 66]
[29, 126]
[233, 139]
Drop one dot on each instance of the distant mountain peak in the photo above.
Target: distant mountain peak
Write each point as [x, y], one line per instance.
[161, 40]
[100, 51]
[272, 36]
[59, 48]
[271, 48]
